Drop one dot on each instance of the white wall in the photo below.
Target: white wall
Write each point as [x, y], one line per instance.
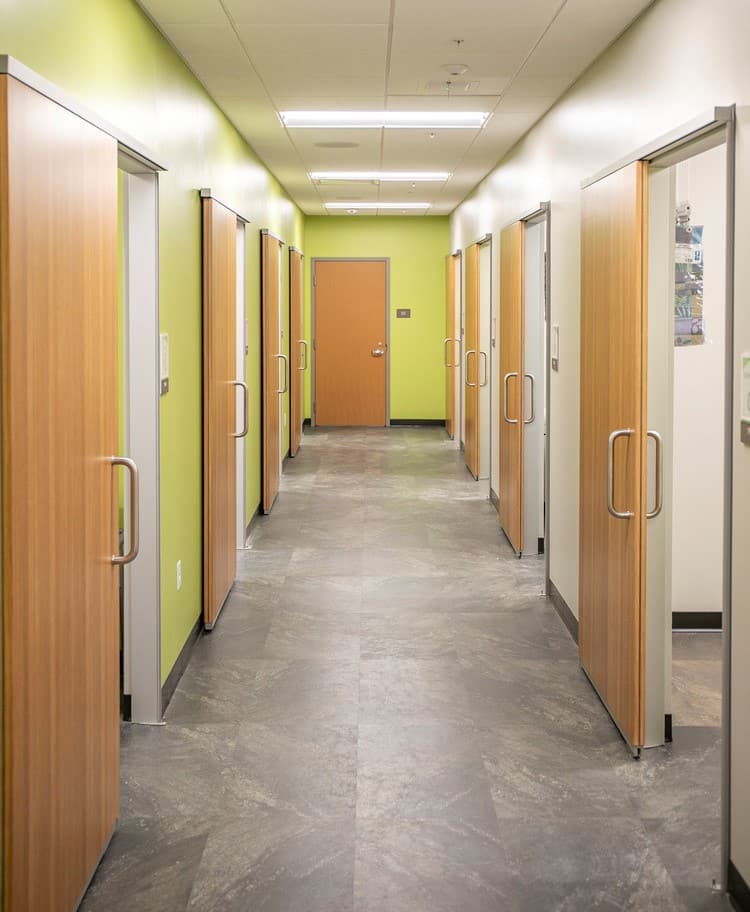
[645, 85]
[698, 467]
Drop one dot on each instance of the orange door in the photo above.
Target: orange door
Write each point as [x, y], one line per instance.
[471, 360]
[451, 344]
[612, 490]
[60, 403]
[274, 367]
[298, 349]
[351, 345]
[219, 406]
[512, 377]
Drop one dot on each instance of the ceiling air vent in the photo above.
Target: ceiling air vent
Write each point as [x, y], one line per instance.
[337, 145]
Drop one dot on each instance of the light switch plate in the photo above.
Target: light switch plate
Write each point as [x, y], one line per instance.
[554, 347]
[745, 401]
[164, 362]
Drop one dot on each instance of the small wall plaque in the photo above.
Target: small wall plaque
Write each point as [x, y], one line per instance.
[403, 313]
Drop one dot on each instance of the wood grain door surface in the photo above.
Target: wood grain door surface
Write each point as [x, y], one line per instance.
[273, 365]
[451, 344]
[613, 389]
[512, 383]
[58, 297]
[219, 406]
[298, 350]
[471, 359]
[350, 329]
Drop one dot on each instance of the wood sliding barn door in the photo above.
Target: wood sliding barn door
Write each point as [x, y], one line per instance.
[60, 402]
[471, 360]
[300, 354]
[219, 406]
[451, 343]
[612, 492]
[275, 374]
[351, 344]
[512, 383]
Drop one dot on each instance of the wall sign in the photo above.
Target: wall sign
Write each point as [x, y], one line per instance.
[689, 327]
[403, 313]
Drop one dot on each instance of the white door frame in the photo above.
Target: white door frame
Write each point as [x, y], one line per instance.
[142, 578]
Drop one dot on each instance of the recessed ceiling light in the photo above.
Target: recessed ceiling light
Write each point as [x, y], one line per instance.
[337, 145]
[408, 120]
[455, 69]
[410, 176]
[379, 205]
[352, 211]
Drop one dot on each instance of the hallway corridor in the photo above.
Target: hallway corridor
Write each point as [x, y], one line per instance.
[390, 717]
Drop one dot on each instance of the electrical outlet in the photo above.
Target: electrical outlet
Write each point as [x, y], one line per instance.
[179, 575]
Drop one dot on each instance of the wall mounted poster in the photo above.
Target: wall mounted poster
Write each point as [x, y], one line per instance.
[689, 328]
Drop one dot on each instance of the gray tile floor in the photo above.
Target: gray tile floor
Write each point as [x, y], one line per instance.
[389, 717]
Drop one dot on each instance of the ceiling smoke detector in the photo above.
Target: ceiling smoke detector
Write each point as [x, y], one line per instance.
[455, 69]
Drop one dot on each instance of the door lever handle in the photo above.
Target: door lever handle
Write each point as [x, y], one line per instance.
[379, 351]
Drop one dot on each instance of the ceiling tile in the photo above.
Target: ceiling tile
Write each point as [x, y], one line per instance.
[322, 12]
[326, 60]
[292, 54]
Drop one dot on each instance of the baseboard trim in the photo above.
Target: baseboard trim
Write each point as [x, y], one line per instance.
[738, 889]
[417, 422]
[253, 519]
[494, 498]
[563, 609]
[307, 422]
[696, 620]
[178, 669]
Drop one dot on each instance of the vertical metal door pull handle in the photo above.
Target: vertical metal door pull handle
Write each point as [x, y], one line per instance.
[246, 407]
[531, 418]
[134, 513]
[456, 363]
[505, 397]
[303, 353]
[618, 514]
[659, 480]
[286, 375]
[483, 355]
[466, 356]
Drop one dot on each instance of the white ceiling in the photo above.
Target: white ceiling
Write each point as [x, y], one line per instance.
[257, 59]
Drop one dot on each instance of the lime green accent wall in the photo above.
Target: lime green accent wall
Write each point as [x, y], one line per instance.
[109, 56]
[417, 247]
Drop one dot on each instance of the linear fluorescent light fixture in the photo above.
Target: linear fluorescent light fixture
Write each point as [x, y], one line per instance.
[382, 176]
[405, 120]
[377, 205]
